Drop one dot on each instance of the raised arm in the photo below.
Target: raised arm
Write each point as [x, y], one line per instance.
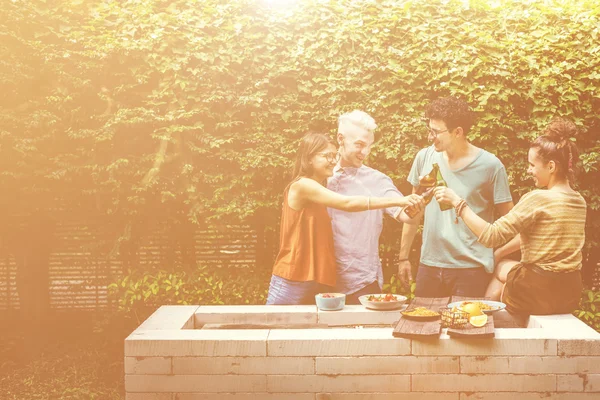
[409, 231]
[308, 190]
[504, 228]
[503, 208]
[513, 245]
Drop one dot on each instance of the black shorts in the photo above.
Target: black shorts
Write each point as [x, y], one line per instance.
[532, 290]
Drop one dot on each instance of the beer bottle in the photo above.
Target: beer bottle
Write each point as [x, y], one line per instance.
[426, 185]
[427, 196]
[428, 180]
[439, 181]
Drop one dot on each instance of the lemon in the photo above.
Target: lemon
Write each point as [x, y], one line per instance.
[478, 320]
[471, 308]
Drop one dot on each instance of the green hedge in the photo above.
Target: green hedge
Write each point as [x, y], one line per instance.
[148, 109]
[589, 309]
[144, 292]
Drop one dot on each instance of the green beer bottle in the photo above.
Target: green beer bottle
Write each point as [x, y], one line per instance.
[441, 182]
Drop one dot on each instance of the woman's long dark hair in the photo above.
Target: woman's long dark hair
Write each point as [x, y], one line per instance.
[556, 145]
[310, 144]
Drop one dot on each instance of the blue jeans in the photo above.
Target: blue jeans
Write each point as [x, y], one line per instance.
[445, 282]
[285, 292]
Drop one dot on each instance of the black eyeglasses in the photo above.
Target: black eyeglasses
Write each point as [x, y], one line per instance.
[435, 132]
[331, 157]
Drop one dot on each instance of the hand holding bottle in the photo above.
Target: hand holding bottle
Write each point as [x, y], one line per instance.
[445, 195]
[414, 201]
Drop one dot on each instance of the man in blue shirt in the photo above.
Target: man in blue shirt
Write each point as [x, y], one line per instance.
[452, 261]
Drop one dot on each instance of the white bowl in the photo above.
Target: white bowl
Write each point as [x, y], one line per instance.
[382, 305]
[330, 301]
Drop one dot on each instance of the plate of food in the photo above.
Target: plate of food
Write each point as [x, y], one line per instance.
[383, 301]
[471, 306]
[420, 313]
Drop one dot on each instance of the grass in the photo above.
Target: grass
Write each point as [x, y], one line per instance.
[79, 356]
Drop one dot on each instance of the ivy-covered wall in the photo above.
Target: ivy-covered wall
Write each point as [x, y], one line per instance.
[191, 110]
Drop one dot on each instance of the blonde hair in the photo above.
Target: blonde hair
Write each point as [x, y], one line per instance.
[356, 118]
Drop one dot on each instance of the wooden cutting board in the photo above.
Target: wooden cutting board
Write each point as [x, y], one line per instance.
[411, 328]
[486, 331]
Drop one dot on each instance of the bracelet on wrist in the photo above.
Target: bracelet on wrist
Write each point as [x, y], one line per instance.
[459, 209]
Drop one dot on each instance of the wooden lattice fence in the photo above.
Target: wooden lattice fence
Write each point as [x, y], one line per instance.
[80, 270]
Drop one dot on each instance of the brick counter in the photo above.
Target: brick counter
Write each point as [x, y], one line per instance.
[169, 358]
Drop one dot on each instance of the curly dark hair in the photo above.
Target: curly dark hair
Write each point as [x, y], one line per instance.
[555, 145]
[454, 112]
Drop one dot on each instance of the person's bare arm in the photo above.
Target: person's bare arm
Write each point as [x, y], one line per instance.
[404, 218]
[409, 231]
[473, 221]
[513, 245]
[503, 208]
[307, 190]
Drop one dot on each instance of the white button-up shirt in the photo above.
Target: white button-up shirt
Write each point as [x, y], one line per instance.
[356, 234]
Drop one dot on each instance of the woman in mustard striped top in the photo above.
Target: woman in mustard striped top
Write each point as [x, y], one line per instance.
[547, 225]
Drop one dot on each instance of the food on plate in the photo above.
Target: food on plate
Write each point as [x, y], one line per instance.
[380, 298]
[483, 306]
[478, 320]
[472, 308]
[327, 295]
[420, 312]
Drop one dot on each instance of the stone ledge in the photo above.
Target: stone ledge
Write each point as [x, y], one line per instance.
[335, 342]
[557, 358]
[170, 317]
[255, 315]
[196, 343]
[358, 315]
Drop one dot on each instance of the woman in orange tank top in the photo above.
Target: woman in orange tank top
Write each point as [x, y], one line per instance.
[306, 263]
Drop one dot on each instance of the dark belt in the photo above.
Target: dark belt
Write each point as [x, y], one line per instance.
[542, 271]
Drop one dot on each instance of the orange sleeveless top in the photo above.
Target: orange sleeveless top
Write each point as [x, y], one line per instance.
[306, 250]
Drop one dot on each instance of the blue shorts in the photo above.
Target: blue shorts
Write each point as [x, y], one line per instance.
[285, 292]
[446, 282]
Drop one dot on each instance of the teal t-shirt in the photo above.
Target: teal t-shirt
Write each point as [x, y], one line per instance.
[482, 183]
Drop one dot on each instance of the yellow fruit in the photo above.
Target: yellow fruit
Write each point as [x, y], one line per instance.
[472, 308]
[478, 320]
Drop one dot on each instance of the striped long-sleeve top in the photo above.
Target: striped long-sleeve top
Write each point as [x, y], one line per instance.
[552, 228]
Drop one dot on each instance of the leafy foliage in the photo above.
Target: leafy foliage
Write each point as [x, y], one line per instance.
[395, 286]
[168, 111]
[138, 292]
[589, 309]
[132, 108]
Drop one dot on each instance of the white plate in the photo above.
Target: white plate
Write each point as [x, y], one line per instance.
[382, 305]
[496, 305]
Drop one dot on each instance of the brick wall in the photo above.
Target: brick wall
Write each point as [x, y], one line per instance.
[556, 358]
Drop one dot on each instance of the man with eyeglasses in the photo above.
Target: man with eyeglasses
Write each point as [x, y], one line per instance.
[356, 235]
[452, 261]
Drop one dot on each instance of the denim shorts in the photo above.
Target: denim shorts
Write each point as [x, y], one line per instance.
[285, 292]
[445, 282]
